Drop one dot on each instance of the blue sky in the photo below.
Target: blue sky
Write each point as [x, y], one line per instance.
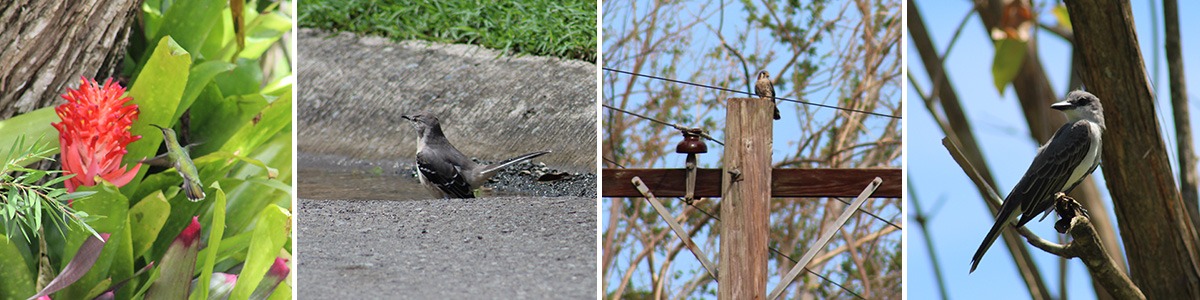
[960, 219]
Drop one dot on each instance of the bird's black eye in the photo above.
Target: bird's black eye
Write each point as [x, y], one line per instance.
[1083, 101]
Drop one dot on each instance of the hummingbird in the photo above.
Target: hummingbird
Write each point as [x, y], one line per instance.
[182, 162]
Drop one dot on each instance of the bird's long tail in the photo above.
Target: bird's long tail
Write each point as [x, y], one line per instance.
[1006, 213]
[495, 168]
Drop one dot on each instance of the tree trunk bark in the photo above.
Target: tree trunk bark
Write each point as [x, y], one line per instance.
[1179, 105]
[46, 45]
[1155, 226]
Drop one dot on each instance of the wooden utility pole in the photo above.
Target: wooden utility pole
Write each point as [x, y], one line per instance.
[745, 200]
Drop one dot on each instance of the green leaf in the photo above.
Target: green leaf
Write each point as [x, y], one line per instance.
[156, 92]
[18, 280]
[280, 87]
[245, 79]
[248, 199]
[152, 16]
[270, 233]
[235, 246]
[208, 257]
[1062, 16]
[277, 153]
[219, 43]
[147, 218]
[100, 288]
[202, 74]
[273, 118]
[282, 292]
[30, 125]
[1010, 54]
[227, 156]
[221, 117]
[189, 22]
[264, 31]
[182, 211]
[177, 265]
[116, 260]
[157, 183]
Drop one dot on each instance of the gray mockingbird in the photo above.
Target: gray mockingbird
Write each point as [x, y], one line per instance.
[1060, 165]
[445, 171]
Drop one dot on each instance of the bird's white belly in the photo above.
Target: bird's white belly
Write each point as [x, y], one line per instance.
[1089, 160]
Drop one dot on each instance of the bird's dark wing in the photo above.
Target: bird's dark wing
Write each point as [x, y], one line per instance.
[1048, 173]
[444, 175]
[1050, 170]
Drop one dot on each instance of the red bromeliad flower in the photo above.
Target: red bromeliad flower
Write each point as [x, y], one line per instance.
[94, 132]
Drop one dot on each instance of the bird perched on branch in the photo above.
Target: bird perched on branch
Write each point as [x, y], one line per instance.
[1060, 165]
[445, 171]
[765, 89]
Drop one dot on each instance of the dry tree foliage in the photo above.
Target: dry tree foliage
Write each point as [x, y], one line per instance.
[845, 54]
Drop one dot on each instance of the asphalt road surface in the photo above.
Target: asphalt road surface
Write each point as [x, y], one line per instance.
[489, 248]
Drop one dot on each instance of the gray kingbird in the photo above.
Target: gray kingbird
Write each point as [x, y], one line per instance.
[1060, 165]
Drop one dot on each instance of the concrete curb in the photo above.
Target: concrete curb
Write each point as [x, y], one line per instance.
[353, 90]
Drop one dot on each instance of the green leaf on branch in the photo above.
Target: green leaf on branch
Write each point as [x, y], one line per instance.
[1010, 55]
[1062, 16]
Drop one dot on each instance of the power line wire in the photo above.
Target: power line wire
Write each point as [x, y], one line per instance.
[703, 135]
[744, 92]
[870, 213]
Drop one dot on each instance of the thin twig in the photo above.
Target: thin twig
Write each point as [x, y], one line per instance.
[922, 224]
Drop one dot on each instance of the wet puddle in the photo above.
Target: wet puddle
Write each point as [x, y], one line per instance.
[317, 183]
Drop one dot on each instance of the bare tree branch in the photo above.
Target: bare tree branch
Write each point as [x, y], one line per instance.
[958, 127]
[1179, 106]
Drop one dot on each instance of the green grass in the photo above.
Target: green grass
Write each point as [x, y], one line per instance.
[564, 29]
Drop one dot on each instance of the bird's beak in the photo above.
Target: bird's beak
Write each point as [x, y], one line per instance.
[407, 117]
[1062, 105]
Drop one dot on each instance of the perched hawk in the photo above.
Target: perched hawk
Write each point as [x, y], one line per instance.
[765, 89]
